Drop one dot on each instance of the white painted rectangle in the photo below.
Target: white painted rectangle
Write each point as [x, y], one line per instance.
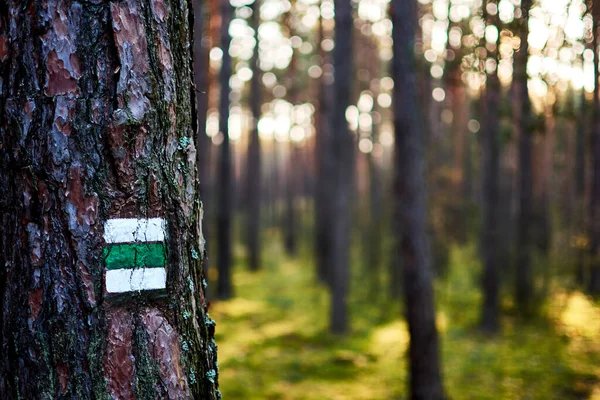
[128, 230]
[131, 280]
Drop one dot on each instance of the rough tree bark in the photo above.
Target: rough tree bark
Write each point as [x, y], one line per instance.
[253, 187]
[340, 152]
[411, 209]
[490, 171]
[523, 112]
[225, 191]
[97, 124]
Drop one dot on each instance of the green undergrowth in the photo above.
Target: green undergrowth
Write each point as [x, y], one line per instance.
[274, 342]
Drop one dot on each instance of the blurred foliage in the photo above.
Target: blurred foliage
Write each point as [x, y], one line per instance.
[274, 343]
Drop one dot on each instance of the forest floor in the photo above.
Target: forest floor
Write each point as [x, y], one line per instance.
[274, 342]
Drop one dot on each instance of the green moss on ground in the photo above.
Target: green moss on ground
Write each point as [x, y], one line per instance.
[274, 343]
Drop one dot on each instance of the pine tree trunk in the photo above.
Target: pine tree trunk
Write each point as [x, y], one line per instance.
[375, 228]
[323, 168]
[524, 276]
[490, 171]
[253, 183]
[411, 209]
[341, 151]
[97, 136]
[201, 83]
[580, 158]
[293, 159]
[291, 183]
[594, 219]
[225, 187]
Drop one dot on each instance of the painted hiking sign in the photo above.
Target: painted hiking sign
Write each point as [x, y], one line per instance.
[135, 255]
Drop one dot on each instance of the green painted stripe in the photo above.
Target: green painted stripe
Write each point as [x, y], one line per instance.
[134, 255]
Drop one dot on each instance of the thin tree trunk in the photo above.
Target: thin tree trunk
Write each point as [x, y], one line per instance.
[341, 152]
[467, 182]
[291, 186]
[225, 190]
[253, 183]
[375, 227]
[457, 96]
[201, 83]
[292, 173]
[411, 209]
[324, 176]
[580, 184]
[594, 278]
[89, 159]
[490, 171]
[524, 275]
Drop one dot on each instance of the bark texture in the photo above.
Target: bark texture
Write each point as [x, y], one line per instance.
[97, 122]
[410, 194]
[491, 179]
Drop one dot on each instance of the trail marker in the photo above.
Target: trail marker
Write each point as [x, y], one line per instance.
[135, 254]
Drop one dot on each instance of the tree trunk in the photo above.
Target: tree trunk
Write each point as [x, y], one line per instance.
[201, 83]
[293, 159]
[253, 182]
[323, 168]
[411, 209]
[594, 219]
[524, 278]
[579, 223]
[291, 183]
[490, 171]
[457, 97]
[96, 151]
[341, 151]
[225, 191]
[375, 227]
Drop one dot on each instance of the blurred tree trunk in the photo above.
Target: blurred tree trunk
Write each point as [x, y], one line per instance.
[291, 187]
[78, 81]
[225, 186]
[375, 228]
[468, 174]
[411, 209]
[456, 96]
[579, 220]
[490, 172]
[323, 169]
[201, 83]
[594, 278]
[524, 275]
[341, 152]
[543, 151]
[277, 184]
[293, 159]
[253, 182]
